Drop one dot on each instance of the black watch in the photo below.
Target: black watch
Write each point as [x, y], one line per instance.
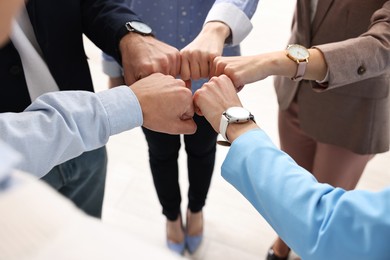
[139, 27]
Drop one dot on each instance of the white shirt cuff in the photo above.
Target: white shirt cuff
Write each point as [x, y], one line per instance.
[240, 25]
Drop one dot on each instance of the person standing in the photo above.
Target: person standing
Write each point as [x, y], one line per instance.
[201, 30]
[46, 54]
[334, 124]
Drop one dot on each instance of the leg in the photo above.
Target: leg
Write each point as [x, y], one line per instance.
[163, 155]
[293, 140]
[201, 149]
[301, 148]
[338, 166]
[82, 180]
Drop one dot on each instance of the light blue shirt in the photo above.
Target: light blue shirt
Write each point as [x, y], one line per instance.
[59, 126]
[317, 220]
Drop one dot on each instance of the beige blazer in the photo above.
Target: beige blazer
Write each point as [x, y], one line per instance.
[353, 111]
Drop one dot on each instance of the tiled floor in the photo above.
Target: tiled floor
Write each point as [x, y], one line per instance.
[233, 229]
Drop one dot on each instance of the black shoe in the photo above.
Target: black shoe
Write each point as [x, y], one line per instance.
[271, 255]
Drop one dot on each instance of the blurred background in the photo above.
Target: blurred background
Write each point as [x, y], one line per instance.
[233, 229]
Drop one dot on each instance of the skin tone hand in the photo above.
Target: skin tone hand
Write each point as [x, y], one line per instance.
[214, 98]
[248, 69]
[197, 57]
[8, 10]
[166, 104]
[144, 55]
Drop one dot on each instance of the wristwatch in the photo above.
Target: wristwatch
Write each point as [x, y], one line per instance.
[300, 55]
[139, 27]
[234, 115]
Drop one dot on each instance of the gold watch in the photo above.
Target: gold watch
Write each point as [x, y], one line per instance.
[300, 55]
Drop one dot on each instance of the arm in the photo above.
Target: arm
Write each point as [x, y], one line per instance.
[104, 23]
[59, 126]
[228, 22]
[62, 125]
[323, 59]
[314, 219]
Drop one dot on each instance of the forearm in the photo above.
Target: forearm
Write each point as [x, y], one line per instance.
[314, 219]
[104, 23]
[236, 15]
[278, 64]
[61, 125]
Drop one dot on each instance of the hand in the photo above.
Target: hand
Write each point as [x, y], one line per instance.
[197, 57]
[144, 55]
[241, 69]
[166, 104]
[214, 97]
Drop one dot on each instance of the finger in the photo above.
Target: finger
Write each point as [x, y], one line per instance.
[204, 68]
[188, 83]
[198, 111]
[129, 78]
[178, 64]
[184, 127]
[185, 71]
[239, 88]
[195, 70]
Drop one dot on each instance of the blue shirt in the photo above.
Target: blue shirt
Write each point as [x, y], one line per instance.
[178, 22]
[57, 127]
[317, 220]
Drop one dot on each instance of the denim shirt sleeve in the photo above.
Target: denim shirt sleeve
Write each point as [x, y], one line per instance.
[59, 126]
[236, 14]
[315, 219]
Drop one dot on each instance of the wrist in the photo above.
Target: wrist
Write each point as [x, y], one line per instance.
[217, 28]
[236, 130]
[279, 64]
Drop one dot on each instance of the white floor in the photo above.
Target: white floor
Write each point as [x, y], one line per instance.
[233, 229]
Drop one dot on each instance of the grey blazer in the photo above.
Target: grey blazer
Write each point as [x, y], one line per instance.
[353, 111]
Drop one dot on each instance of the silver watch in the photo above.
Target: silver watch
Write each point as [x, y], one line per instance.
[139, 27]
[234, 115]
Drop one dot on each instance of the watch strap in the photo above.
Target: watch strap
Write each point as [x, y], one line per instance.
[301, 69]
[223, 126]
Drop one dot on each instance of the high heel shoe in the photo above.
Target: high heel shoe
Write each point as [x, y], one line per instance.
[177, 247]
[272, 256]
[193, 241]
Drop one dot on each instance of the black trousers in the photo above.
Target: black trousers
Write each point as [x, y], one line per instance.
[82, 180]
[163, 154]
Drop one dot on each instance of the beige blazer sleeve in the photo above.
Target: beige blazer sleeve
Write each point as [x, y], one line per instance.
[367, 55]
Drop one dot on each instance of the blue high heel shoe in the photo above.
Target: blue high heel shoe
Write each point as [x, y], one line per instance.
[176, 247]
[193, 242]
[180, 247]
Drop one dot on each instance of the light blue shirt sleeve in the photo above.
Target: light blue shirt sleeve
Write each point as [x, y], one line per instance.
[59, 126]
[317, 220]
[236, 14]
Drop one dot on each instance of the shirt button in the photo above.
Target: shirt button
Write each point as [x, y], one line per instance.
[361, 70]
[15, 70]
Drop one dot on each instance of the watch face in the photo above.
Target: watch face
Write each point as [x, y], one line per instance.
[298, 52]
[139, 27]
[238, 114]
